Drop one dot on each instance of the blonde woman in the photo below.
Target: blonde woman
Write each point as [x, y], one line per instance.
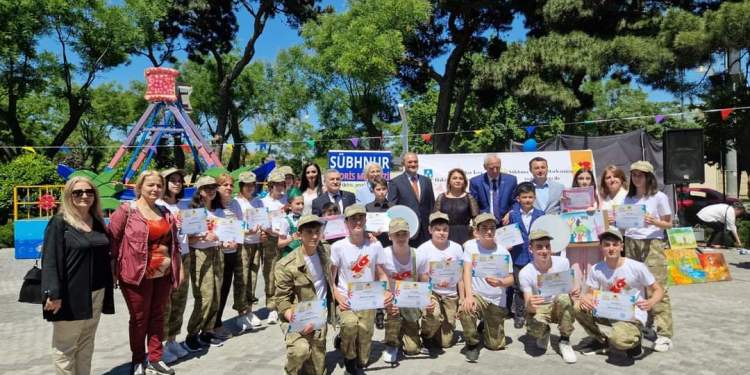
[76, 276]
[138, 228]
[366, 193]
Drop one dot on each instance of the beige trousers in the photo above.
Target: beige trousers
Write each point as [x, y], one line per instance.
[73, 341]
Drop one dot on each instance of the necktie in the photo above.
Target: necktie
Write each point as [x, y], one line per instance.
[493, 194]
[415, 186]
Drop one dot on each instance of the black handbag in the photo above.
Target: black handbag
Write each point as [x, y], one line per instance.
[31, 289]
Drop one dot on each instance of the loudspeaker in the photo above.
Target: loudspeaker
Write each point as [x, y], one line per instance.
[683, 156]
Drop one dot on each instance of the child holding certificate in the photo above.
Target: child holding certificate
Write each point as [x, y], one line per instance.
[356, 259]
[380, 204]
[311, 264]
[523, 214]
[544, 305]
[250, 249]
[401, 263]
[444, 258]
[647, 244]
[622, 276]
[274, 201]
[484, 296]
[289, 240]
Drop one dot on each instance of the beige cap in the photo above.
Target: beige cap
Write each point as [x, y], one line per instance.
[481, 218]
[611, 232]
[437, 215]
[275, 176]
[204, 181]
[247, 177]
[538, 234]
[643, 166]
[398, 225]
[167, 172]
[285, 169]
[354, 210]
[307, 219]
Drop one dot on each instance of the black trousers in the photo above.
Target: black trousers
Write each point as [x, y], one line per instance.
[230, 261]
[719, 230]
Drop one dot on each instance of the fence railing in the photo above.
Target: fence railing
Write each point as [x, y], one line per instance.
[36, 201]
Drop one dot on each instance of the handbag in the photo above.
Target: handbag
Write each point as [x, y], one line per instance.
[31, 289]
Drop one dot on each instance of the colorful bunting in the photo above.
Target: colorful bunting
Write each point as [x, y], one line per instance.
[659, 118]
[530, 130]
[725, 113]
[427, 137]
[185, 148]
[262, 146]
[28, 149]
[310, 143]
[355, 141]
[478, 132]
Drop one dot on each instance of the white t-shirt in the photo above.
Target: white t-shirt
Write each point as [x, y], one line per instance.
[657, 206]
[318, 277]
[355, 263]
[527, 277]
[398, 271]
[273, 204]
[479, 285]
[608, 203]
[245, 205]
[630, 275]
[719, 213]
[427, 252]
[175, 210]
[308, 197]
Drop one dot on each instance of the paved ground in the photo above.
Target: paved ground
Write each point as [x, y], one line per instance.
[711, 324]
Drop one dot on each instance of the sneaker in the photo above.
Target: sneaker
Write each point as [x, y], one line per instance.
[273, 317]
[543, 342]
[176, 349]
[518, 322]
[635, 352]
[192, 344]
[254, 320]
[567, 353]
[662, 344]
[593, 347]
[137, 368]
[222, 333]
[471, 352]
[160, 368]
[207, 339]
[390, 355]
[168, 356]
[379, 319]
[244, 323]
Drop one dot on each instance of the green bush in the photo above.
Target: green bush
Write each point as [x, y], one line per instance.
[6, 235]
[743, 230]
[25, 169]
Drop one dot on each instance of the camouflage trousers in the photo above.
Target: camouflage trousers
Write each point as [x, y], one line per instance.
[356, 334]
[175, 309]
[622, 335]
[270, 255]
[651, 252]
[305, 354]
[493, 317]
[402, 331]
[559, 311]
[206, 276]
[438, 325]
[252, 261]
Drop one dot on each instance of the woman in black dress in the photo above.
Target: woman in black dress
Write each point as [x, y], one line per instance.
[459, 205]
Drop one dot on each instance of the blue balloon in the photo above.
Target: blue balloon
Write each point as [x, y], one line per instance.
[529, 145]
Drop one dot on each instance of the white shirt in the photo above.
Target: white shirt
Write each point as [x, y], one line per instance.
[719, 213]
[608, 203]
[630, 275]
[308, 197]
[526, 218]
[427, 252]
[355, 263]
[528, 276]
[479, 285]
[657, 206]
[318, 276]
[273, 204]
[331, 196]
[398, 271]
[246, 205]
[174, 209]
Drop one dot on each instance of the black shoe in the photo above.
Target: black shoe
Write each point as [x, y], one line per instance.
[192, 344]
[433, 348]
[471, 352]
[209, 339]
[160, 368]
[635, 352]
[351, 366]
[379, 317]
[593, 347]
[518, 322]
[480, 327]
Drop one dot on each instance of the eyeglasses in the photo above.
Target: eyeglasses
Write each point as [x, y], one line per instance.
[78, 193]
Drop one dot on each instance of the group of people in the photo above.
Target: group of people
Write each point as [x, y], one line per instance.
[143, 251]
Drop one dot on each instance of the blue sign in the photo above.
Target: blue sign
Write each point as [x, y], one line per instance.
[351, 163]
[28, 235]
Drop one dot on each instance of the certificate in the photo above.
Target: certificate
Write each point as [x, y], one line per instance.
[309, 312]
[335, 227]
[509, 235]
[277, 221]
[193, 221]
[229, 230]
[552, 284]
[257, 216]
[377, 222]
[411, 294]
[445, 272]
[367, 295]
[615, 306]
[630, 216]
[490, 265]
[578, 198]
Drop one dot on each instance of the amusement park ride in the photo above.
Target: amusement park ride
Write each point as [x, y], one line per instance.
[166, 116]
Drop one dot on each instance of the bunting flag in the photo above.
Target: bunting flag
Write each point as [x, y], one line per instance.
[262, 146]
[355, 141]
[152, 149]
[530, 130]
[725, 113]
[478, 132]
[659, 118]
[65, 150]
[310, 143]
[427, 137]
[28, 149]
[185, 148]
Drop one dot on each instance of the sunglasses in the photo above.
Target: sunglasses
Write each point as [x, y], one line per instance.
[78, 193]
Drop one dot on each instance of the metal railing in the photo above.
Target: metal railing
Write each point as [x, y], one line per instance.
[28, 205]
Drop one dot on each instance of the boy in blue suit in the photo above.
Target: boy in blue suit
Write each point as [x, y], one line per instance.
[523, 214]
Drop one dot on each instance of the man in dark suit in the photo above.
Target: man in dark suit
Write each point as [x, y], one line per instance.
[414, 191]
[493, 190]
[333, 193]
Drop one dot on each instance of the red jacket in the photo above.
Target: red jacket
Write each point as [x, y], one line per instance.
[129, 233]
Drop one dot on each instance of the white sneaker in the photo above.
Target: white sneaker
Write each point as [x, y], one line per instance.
[138, 369]
[175, 348]
[254, 320]
[568, 355]
[543, 342]
[662, 344]
[243, 321]
[168, 356]
[273, 317]
[391, 354]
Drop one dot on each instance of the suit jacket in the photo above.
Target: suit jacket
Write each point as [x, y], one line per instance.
[401, 192]
[347, 199]
[520, 253]
[480, 188]
[553, 201]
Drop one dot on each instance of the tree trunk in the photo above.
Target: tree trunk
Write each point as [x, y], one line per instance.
[179, 155]
[234, 159]
[442, 142]
[77, 108]
[11, 118]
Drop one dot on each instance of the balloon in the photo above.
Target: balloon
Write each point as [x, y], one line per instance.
[407, 214]
[557, 228]
[529, 145]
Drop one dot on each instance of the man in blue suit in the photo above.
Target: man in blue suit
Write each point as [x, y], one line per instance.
[493, 190]
[333, 193]
[548, 192]
[414, 191]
